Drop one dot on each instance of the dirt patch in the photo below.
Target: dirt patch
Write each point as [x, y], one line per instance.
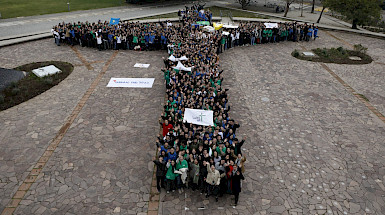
[31, 85]
[335, 55]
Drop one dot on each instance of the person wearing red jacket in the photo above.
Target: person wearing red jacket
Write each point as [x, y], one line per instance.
[166, 127]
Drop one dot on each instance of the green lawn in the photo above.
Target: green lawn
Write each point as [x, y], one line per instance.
[17, 8]
[214, 9]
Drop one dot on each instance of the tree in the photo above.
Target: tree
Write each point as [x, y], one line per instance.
[360, 12]
[312, 7]
[322, 11]
[288, 3]
[244, 3]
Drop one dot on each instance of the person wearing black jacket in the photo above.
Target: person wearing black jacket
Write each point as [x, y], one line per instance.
[236, 184]
[305, 31]
[202, 176]
[237, 147]
[233, 125]
[160, 172]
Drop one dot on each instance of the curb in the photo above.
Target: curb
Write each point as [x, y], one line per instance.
[8, 41]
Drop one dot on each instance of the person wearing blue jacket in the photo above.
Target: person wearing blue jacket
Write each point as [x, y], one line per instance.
[151, 41]
[309, 34]
[163, 41]
[315, 32]
[172, 154]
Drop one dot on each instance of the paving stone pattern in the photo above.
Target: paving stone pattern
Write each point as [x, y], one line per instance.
[315, 147]
[312, 148]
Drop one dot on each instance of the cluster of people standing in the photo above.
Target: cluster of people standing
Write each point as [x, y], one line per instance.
[206, 159]
[252, 33]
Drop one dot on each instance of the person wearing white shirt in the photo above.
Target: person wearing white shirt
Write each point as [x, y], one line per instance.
[99, 41]
[237, 38]
[57, 37]
[118, 41]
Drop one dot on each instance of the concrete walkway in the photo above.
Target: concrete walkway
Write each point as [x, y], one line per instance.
[18, 30]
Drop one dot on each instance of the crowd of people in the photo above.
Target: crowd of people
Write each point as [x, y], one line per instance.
[206, 159]
[155, 36]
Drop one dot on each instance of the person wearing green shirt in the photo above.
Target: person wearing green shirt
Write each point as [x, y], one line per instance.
[170, 176]
[183, 146]
[167, 76]
[221, 149]
[142, 42]
[223, 42]
[135, 41]
[269, 34]
[181, 167]
[264, 35]
[181, 163]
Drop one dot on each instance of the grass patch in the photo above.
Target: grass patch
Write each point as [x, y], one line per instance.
[338, 55]
[214, 10]
[17, 8]
[31, 85]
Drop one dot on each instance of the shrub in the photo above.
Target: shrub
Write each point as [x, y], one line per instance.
[13, 84]
[1, 99]
[295, 53]
[15, 91]
[325, 53]
[48, 81]
[342, 50]
[360, 48]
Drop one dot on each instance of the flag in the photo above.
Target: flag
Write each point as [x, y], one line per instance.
[180, 66]
[198, 117]
[203, 22]
[217, 26]
[114, 21]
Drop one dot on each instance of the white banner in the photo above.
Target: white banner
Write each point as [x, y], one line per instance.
[271, 25]
[198, 117]
[44, 71]
[180, 66]
[141, 65]
[172, 58]
[229, 26]
[131, 82]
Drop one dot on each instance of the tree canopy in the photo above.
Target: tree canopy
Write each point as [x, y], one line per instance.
[244, 3]
[361, 12]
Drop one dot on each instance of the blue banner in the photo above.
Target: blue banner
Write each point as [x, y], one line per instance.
[114, 21]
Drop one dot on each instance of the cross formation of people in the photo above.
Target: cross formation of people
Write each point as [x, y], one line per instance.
[207, 159]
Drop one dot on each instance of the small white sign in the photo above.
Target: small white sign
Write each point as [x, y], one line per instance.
[229, 26]
[131, 82]
[308, 54]
[45, 71]
[141, 65]
[271, 25]
[198, 117]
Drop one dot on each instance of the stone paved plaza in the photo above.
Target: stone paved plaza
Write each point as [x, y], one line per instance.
[312, 147]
